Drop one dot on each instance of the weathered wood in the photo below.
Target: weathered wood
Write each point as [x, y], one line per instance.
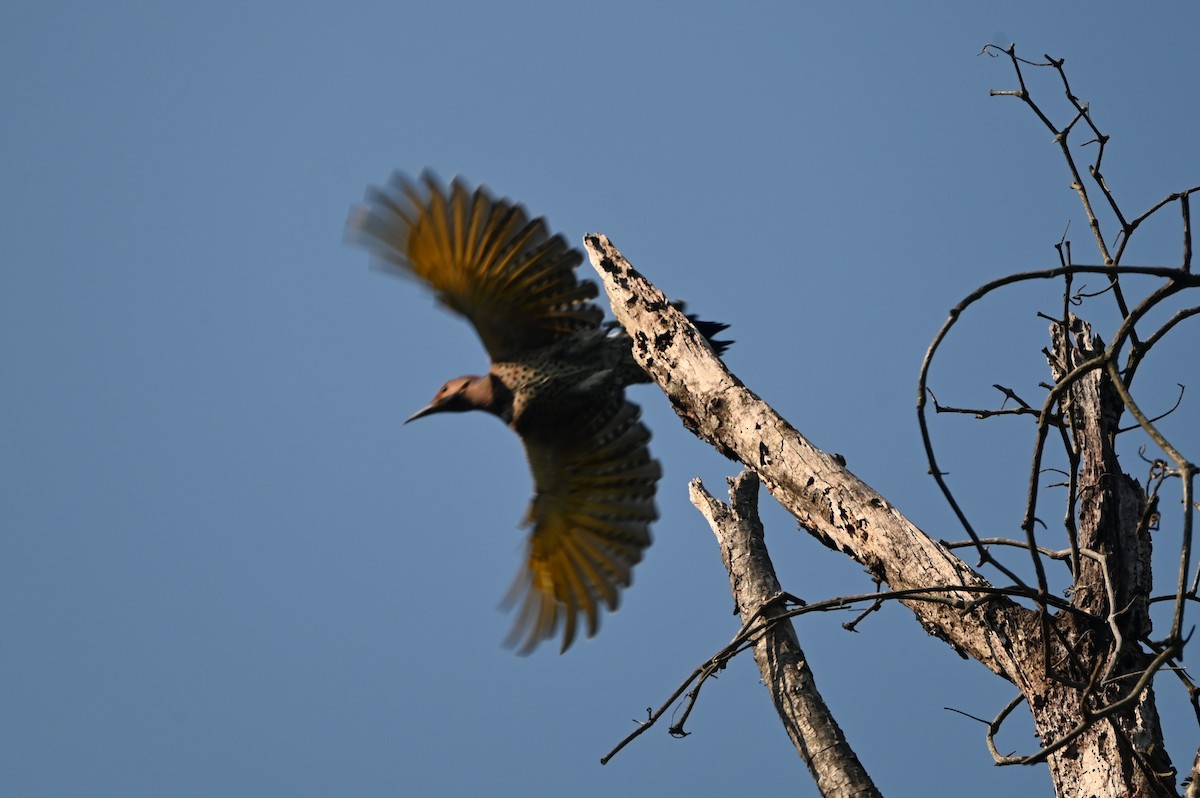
[825, 497]
[1119, 754]
[814, 731]
[1065, 680]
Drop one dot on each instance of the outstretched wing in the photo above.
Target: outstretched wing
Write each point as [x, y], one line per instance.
[591, 519]
[483, 257]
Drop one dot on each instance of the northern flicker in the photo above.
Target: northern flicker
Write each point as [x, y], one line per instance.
[557, 378]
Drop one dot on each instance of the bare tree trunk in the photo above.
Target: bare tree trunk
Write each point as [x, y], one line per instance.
[1097, 665]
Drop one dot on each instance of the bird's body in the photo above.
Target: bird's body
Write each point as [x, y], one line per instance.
[552, 392]
[557, 378]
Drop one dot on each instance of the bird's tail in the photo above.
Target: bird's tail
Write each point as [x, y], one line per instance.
[708, 329]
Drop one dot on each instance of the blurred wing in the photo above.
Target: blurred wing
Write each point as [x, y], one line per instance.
[591, 520]
[484, 259]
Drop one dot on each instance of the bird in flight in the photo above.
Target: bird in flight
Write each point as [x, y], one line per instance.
[557, 378]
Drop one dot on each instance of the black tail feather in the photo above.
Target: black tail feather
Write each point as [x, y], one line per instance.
[707, 328]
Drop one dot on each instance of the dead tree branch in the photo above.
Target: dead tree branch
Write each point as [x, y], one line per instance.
[1085, 665]
[819, 740]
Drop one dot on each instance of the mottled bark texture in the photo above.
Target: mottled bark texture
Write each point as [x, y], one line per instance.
[1122, 753]
[1067, 661]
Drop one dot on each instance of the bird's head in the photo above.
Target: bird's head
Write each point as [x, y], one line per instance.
[460, 394]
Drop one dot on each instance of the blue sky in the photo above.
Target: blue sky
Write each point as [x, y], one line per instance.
[229, 570]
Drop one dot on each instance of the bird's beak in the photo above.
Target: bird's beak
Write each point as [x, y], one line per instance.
[432, 407]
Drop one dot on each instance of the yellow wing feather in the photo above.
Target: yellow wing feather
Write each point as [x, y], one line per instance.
[483, 257]
[591, 519]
